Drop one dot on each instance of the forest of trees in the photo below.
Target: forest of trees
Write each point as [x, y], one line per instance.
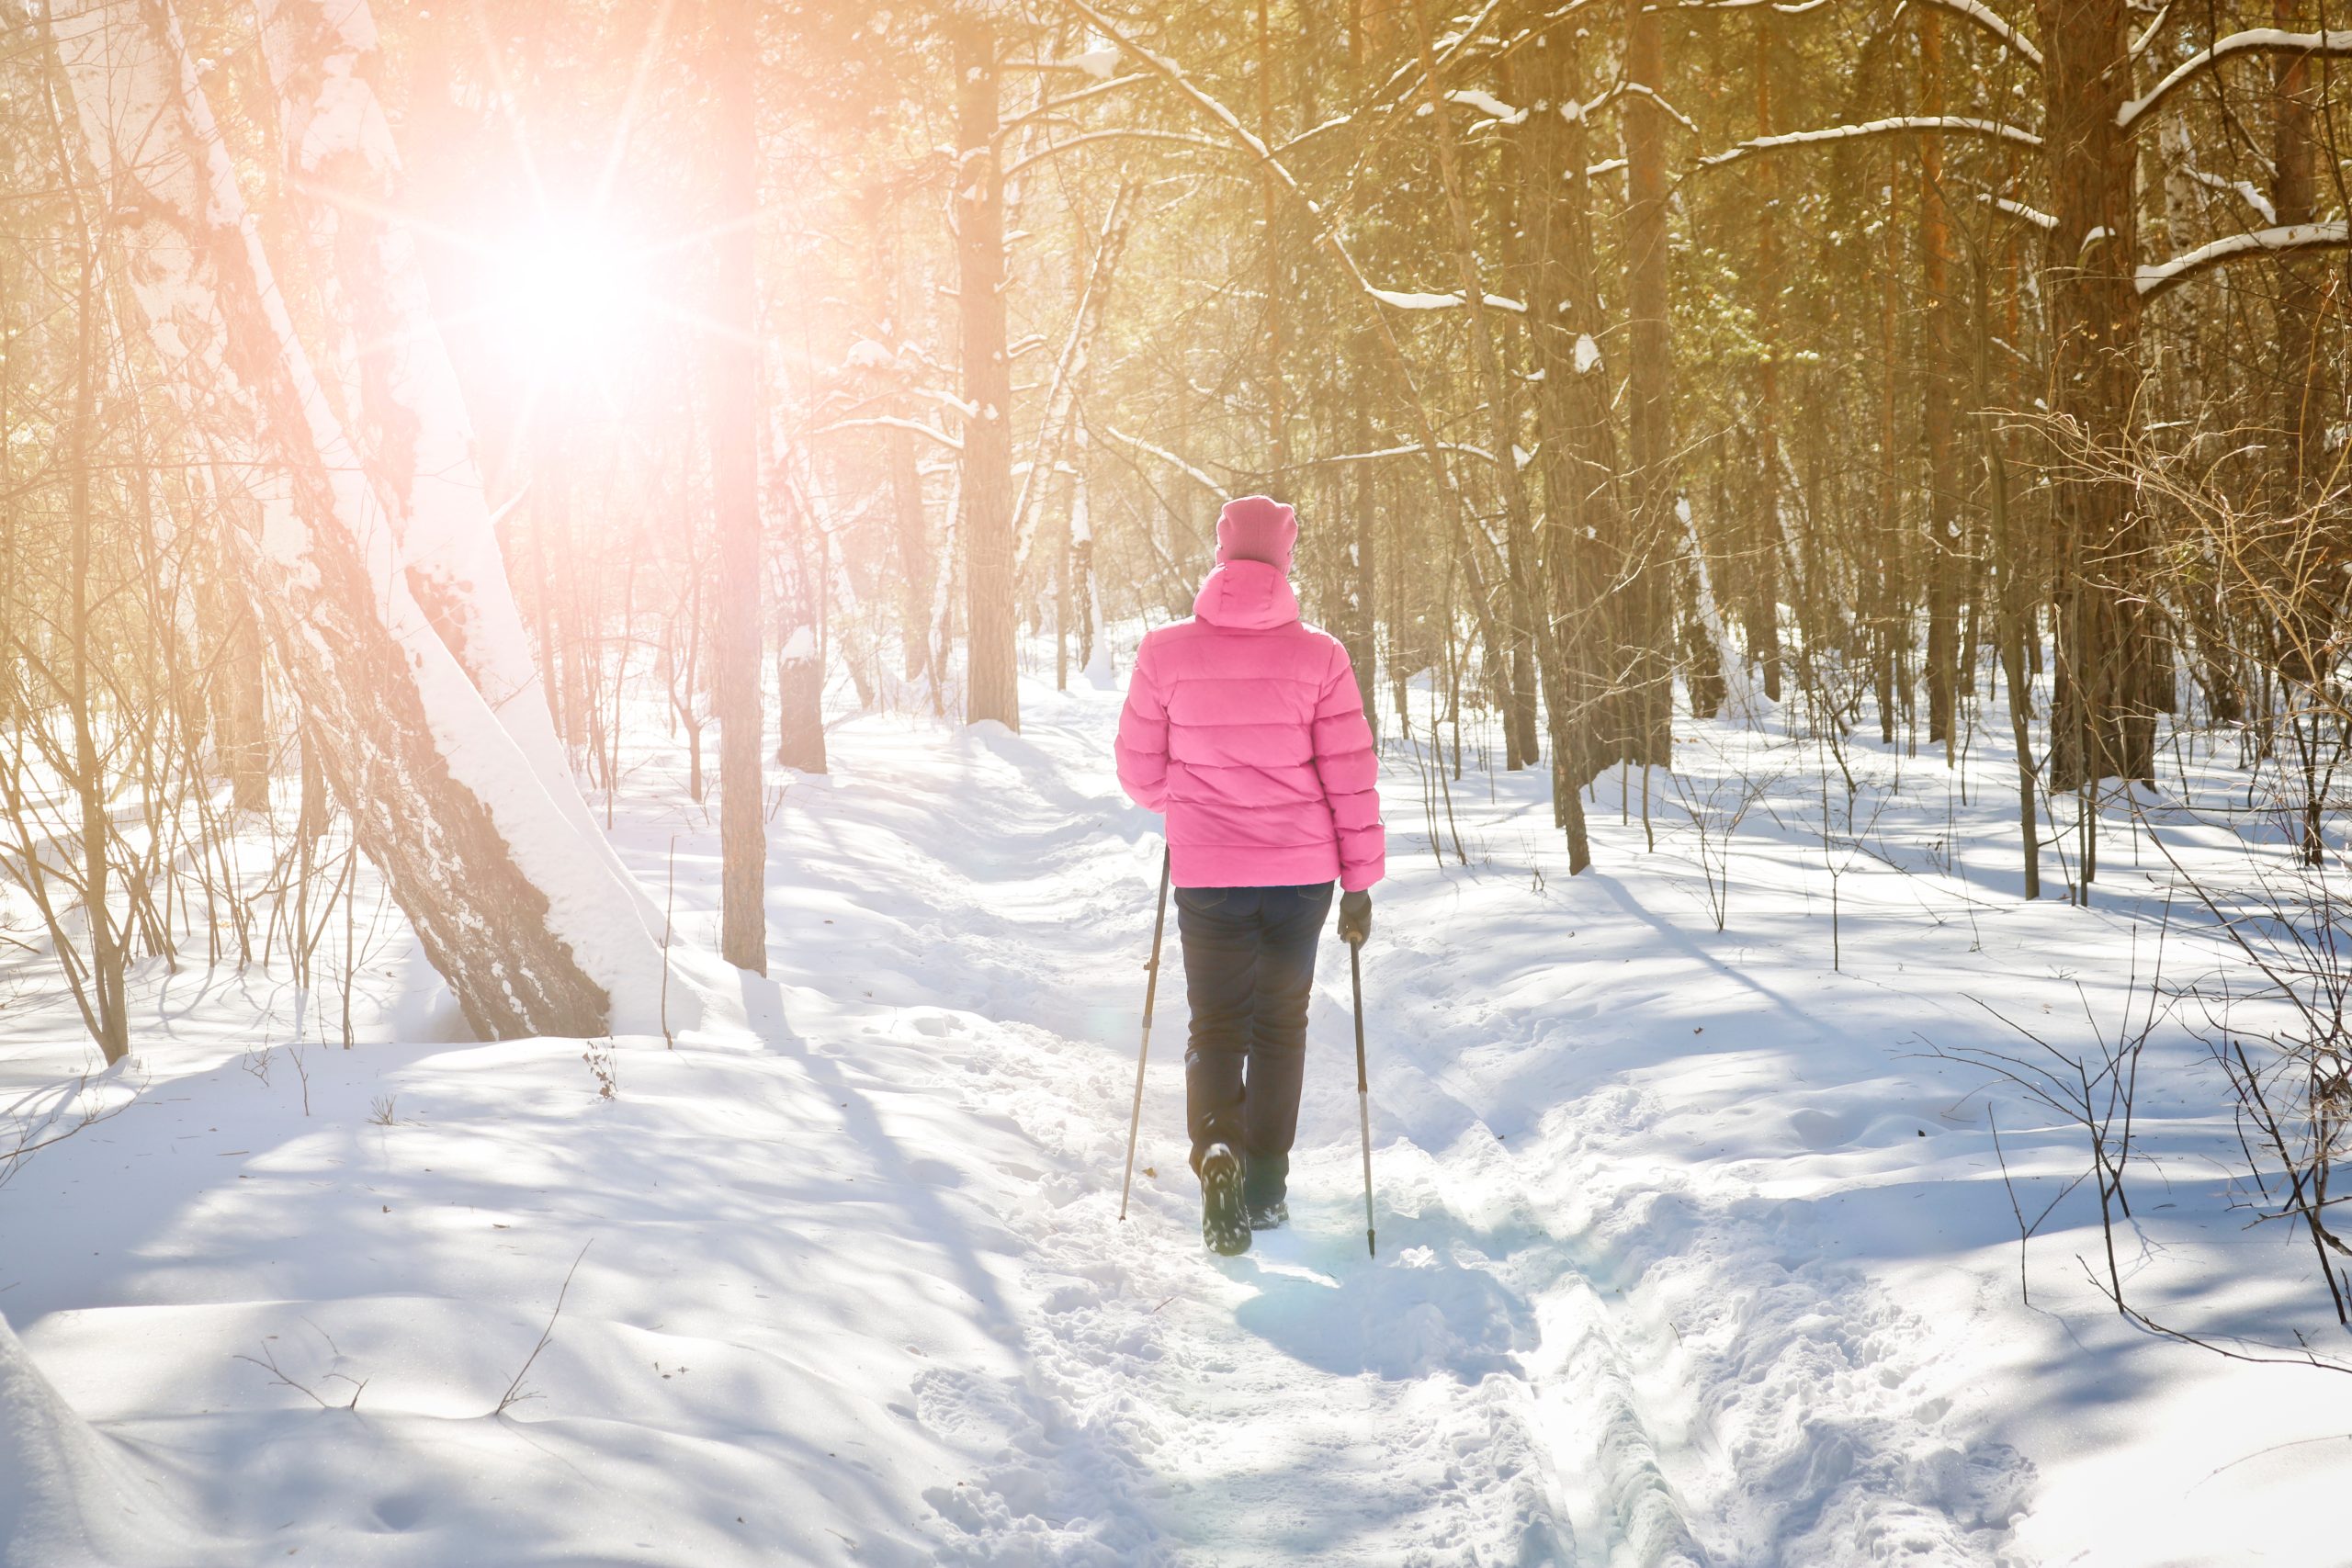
[394, 410]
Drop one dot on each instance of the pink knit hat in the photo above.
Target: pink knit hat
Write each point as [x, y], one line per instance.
[1257, 527]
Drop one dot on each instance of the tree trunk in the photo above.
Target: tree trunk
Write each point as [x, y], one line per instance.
[1647, 625]
[2106, 680]
[735, 493]
[106, 1010]
[1583, 525]
[1941, 556]
[1763, 552]
[1363, 620]
[348, 186]
[992, 691]
[1890, 616]
[2302, 390]
[441, 799]
[912, 536]
[1270, 200]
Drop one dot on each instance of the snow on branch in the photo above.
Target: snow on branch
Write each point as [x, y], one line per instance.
[2244, 190]
[892, 422]
[945, 400]
[1327, 235]
[1129, 133]
[1174, 461]
[1897, 125]
[1175, 76]
[1486, 103]
[1991, 21]
[1411, 449]
[1056, 106]
[1797, 9]
[2285, 240]
[1404, 300]
[1644, 89]
[2019, 211]
[1334, 123]
[2253, 40]
[1974, 11]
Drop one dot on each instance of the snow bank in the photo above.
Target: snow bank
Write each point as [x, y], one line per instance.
[67, 1497]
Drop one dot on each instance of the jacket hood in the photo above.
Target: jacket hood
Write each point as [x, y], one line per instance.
[1247, 595]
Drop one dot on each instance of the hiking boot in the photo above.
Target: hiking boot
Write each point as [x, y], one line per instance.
[1224, 1221]
[1270, 1216]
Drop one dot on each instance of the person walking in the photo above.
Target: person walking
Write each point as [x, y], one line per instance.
[1244, 728]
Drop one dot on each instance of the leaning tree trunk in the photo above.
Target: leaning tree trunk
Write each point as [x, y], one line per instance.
[403, 401]
[440, 797]
[2107, 681]
[735, 495]
[991, 688]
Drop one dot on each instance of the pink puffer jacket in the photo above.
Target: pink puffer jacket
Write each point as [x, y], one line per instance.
[1246, 728]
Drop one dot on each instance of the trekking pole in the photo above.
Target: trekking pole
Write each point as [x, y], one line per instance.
[1364, 1093]
[1150, 991]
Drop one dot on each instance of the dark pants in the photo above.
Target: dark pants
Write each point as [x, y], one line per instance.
[1248, 969]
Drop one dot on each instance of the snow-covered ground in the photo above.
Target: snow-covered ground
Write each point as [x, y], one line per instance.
[1693, 1248]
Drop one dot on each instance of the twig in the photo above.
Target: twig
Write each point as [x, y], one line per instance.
[516, 1393]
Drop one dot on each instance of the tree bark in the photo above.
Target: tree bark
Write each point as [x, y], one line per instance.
[2106, 680]
[735, 493]
[1763, 552]
[1646, 572]
[1583, 522]
[991, 689]
[1938, 411]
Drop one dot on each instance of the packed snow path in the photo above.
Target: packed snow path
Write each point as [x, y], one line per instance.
[1470, 1396]
[1687, 1253]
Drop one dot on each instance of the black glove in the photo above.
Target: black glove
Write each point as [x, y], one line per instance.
[1355, 917]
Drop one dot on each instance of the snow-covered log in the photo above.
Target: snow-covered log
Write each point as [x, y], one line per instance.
[1895, 125]
[2285, 240]
[527, 926]
[2253, 40]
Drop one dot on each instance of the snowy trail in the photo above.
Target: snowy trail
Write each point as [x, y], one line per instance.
[1475, 1396]
[1298, 1400]
[1690, 1254]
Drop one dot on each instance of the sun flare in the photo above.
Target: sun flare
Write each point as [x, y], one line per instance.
[567, 291]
